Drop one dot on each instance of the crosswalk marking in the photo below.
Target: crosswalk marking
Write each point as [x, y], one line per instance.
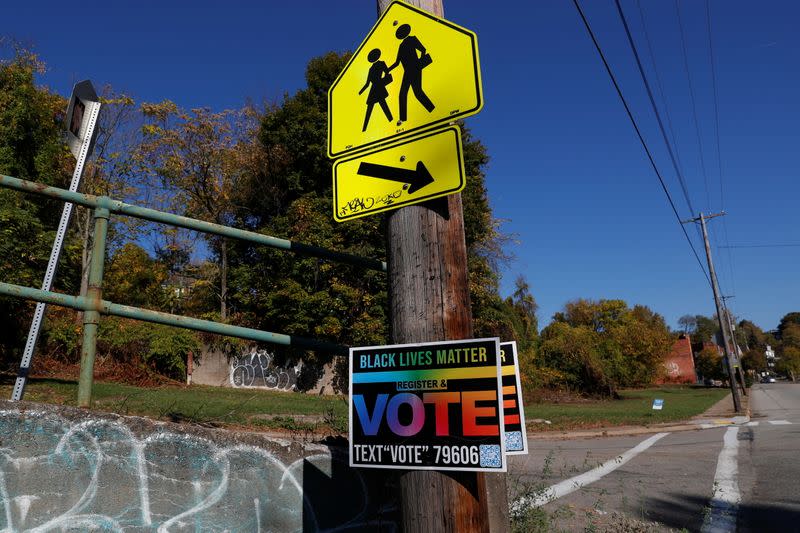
[753, 423]
[571, 485]
[725, 501]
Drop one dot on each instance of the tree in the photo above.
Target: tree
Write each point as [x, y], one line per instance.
[790, 333]
[31, 145]
[292, 137]
[108, 173]
[574, 352]
[31, 148]
[754, 359]
[787, 329]
[486, 251]
[602, 345]
[193, 157]
[132, 277]
[708, 363]
[524, 306]
[288, 194]
[286, 191]
[789, 362]
[788, 319]
[688, 324]
[706, 329]
[751, 337]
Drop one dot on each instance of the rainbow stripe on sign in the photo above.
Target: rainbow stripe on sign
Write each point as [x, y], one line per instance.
[370, 418]
[433, 374]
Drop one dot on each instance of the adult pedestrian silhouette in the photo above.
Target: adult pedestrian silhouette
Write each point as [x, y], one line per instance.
[379, 77]
[412, 70]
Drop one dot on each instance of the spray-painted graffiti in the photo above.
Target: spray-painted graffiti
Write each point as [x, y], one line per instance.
[358, 204]
[256, 369]
[673, 369]
[98, 475]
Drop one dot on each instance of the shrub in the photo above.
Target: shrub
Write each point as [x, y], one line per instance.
[62, 335]
[162, 349]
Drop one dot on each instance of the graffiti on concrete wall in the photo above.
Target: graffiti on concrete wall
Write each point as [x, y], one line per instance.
[257, 369]
[97, 474]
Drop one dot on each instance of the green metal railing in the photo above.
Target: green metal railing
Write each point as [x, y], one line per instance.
[93, 305]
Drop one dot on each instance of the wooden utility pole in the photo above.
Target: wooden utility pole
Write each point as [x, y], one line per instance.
[734, 344]
[429, 301]
[737, 402]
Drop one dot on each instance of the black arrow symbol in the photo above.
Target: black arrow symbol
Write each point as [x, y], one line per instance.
[416, 179]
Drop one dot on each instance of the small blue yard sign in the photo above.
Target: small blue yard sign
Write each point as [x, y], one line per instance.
[658, 404]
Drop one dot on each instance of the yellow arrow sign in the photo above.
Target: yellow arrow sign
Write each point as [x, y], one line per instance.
[420, 168]
[413, 71]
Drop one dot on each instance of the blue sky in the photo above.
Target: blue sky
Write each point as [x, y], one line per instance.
[567, 171]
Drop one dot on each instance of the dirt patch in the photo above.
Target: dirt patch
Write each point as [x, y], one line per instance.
[558, 396]
[306, 419]
[105, 369]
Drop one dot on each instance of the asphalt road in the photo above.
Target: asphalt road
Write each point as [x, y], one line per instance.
[771, 453]
[728, 478]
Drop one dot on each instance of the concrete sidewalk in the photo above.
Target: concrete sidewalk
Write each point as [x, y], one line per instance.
[719, 414]
[723, 414]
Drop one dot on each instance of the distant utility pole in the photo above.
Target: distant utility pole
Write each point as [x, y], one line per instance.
[734, 344]
[737, 401]
[429, 301]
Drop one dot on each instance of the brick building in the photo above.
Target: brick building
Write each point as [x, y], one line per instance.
[679, 364]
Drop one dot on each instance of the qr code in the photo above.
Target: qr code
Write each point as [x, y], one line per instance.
[514, 441]
[490, 456]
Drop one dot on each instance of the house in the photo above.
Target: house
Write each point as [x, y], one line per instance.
[769, 355]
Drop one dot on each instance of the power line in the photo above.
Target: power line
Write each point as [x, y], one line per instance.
[694, 104]
[639, 134]
[716, 104]
[712, 232]
[666, 113]
[788, 245]
[687, 71]
[716, 135]
[660, 85]
[672, 155]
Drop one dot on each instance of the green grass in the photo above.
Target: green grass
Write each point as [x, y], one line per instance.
[258, 409]
[635, 408]
[202, 404]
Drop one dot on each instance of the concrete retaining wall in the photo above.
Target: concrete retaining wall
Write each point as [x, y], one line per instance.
[253, 368]
[64, 469]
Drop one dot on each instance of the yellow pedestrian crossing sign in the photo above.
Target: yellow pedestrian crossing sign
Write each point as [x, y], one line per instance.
[412, 72]
[406, 172]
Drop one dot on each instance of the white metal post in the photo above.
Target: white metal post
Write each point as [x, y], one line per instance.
[87, 138]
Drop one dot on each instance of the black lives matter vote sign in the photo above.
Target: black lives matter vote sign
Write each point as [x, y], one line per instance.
[430, 406]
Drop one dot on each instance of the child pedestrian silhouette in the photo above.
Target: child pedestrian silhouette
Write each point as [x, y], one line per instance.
[379, 77]
[412, 70]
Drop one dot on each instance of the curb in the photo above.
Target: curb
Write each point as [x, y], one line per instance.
[707, 420]
[640, 430]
